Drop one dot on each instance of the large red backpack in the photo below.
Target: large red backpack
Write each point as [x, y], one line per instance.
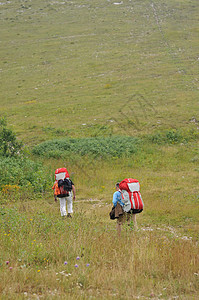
[131, 196]
[61, 175]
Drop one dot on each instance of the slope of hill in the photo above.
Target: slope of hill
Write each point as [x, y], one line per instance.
[69, 68]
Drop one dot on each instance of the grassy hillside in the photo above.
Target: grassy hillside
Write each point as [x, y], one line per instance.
[69, 68]
[108, 89]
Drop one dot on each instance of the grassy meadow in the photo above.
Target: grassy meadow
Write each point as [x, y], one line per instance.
[108, 89]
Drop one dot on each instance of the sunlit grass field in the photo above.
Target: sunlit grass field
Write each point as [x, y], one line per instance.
[84, 72]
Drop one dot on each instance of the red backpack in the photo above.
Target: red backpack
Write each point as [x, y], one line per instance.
[131, 196]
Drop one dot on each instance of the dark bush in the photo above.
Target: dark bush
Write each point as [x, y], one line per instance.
[9, 145]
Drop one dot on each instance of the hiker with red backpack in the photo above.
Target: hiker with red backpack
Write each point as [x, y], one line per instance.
[64, 189]
[127, 202]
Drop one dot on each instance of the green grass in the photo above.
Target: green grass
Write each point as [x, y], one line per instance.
[81, 63]
[88, 74]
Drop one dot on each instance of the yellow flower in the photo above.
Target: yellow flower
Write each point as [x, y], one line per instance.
[9, 188]
[38, 271]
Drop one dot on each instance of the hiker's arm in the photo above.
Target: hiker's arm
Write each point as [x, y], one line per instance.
[115, 199]
[74, 193]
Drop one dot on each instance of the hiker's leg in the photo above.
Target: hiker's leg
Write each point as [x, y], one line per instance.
[120, 221]
[63, 206]
[119, 229]
[134, 221]
[128, 218]
[70, 203]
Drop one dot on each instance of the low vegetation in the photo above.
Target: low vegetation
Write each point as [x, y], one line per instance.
[94, 147]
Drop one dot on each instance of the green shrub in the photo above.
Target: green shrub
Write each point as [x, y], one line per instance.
[24, 173]
[9, 146]
[173, 136]
[16, 170]
[97, 147]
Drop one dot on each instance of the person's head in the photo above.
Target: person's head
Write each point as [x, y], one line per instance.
[117, 186]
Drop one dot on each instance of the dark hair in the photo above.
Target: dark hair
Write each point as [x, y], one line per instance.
[117, 184]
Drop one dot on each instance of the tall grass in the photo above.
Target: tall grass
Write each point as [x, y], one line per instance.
[83, 257]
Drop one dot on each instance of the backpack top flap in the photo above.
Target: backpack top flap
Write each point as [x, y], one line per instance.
[61, 173]
[130, 185]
